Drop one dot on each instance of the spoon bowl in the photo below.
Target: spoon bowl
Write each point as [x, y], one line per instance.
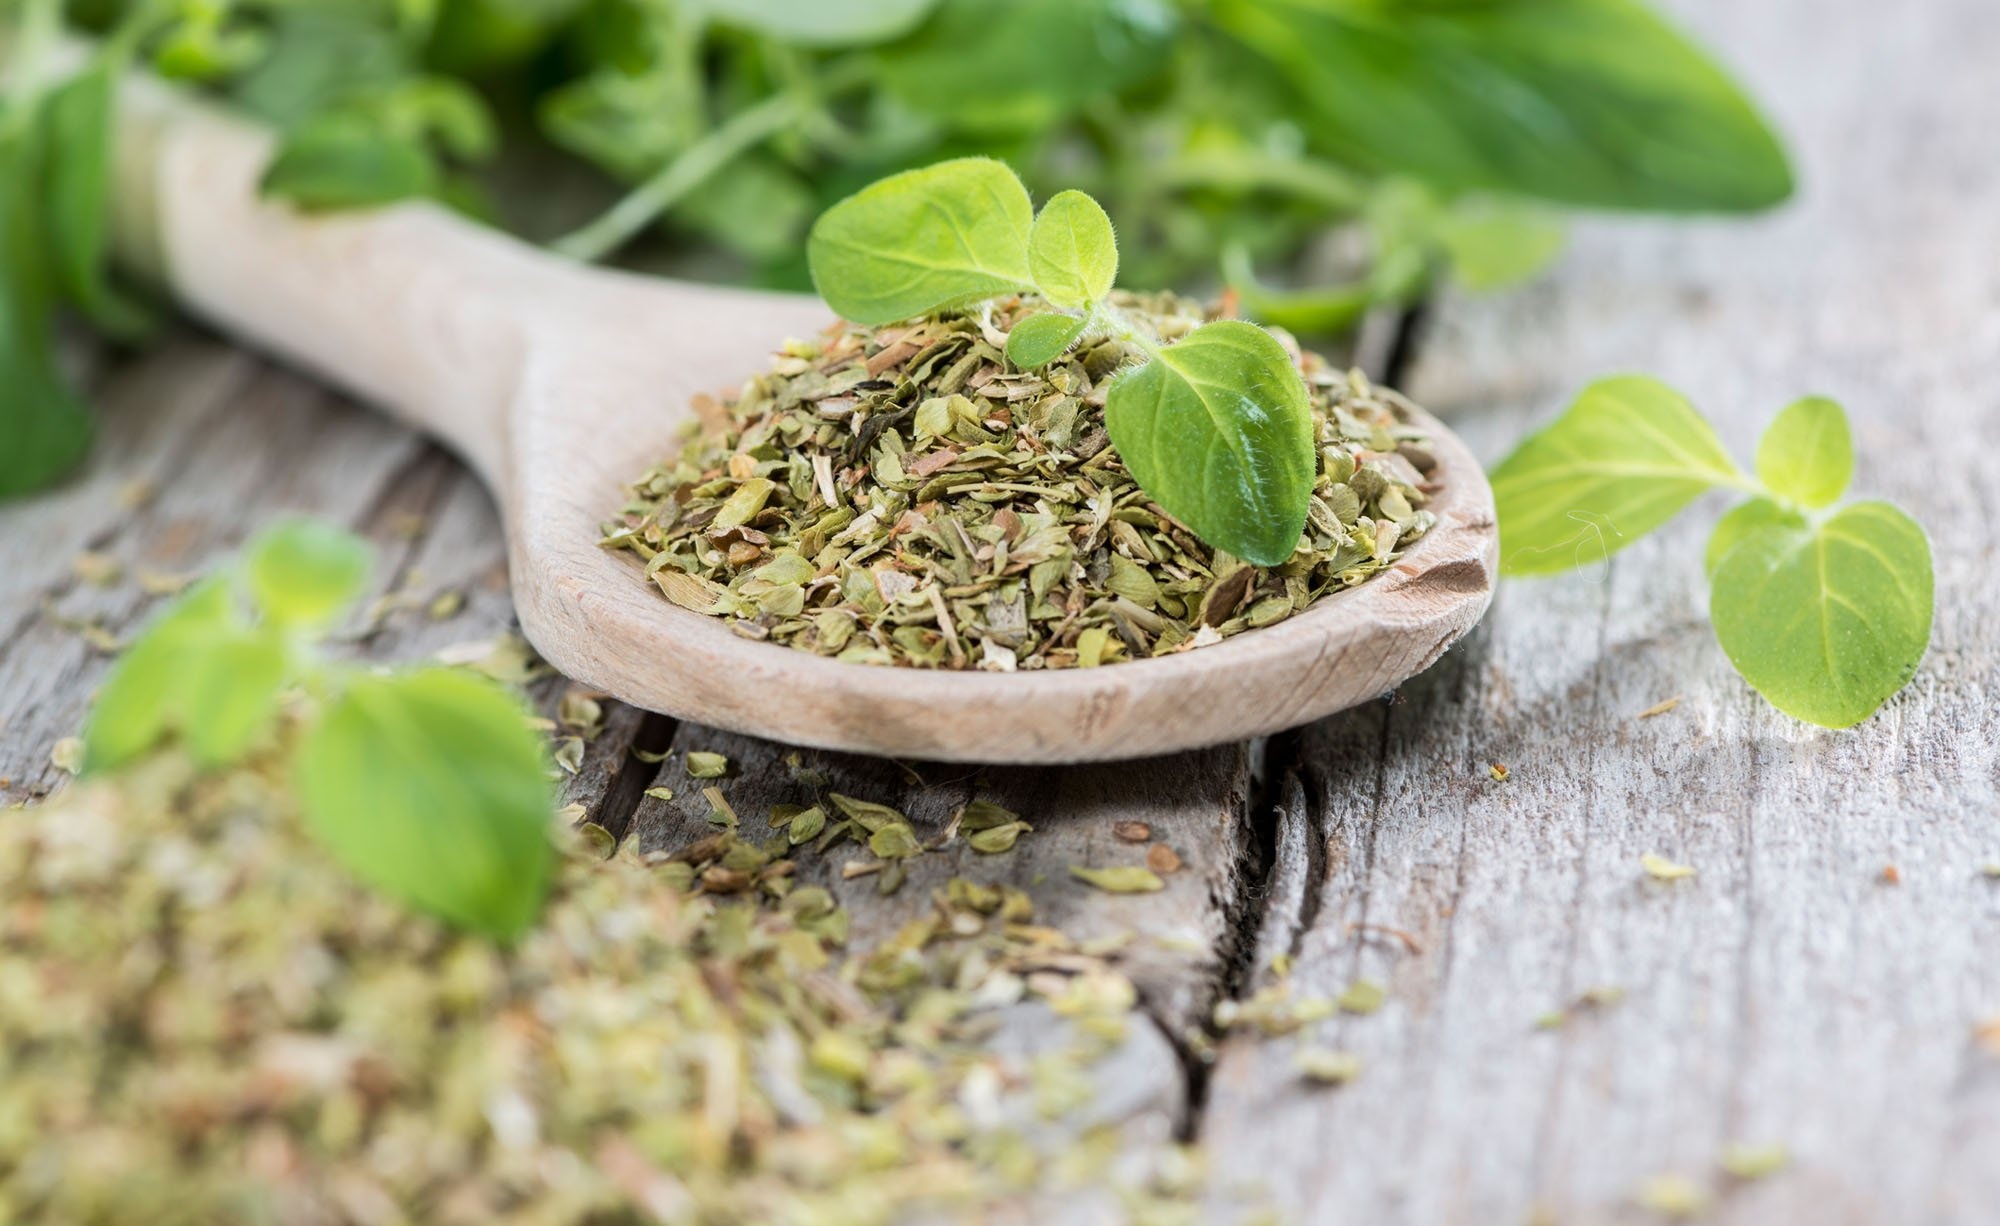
[560, 383]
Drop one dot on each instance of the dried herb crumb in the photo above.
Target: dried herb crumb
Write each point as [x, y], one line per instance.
[1659, 868]
[1499, 772]
[1755, 1161]
[1121, 879]
[1671, 1195]
[702, 765]
[1327, 1066]
[1363, 996]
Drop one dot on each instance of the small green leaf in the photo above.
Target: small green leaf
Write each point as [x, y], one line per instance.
[1025, 65]
[432, 787]
[922, 240]
[77, 117]
[1628, 456]
[1073, 251]
[1827, 622]
[1497, 246]
[1040, 339]
[228, 690]
[46, 427]
[1742, 520]
[200, 671]
[304, 572]
[341, 160]
[136, 705]
[820, 23]
[1218, 430]
[1807, 454]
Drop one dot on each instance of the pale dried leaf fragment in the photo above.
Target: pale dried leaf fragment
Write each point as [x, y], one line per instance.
[1755, 1161]
[1660, 708]
[1326, 1065]
[1659, 868]
[1363, 996]
[705, 765]
[67, 755]
[1121, 879]
[1672, 1195]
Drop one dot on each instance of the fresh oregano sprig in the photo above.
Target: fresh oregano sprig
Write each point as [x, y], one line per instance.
[428, 783]
[1216, 428]
[1824, 609]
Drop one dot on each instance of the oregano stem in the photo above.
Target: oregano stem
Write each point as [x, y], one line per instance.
[646, 203]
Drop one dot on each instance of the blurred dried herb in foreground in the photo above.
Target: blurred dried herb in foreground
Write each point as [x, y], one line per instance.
[206, 1019]
[905, 495]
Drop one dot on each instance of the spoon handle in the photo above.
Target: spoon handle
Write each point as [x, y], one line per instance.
[421, 312]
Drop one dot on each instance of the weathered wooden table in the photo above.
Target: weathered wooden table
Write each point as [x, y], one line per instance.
[1789, 993]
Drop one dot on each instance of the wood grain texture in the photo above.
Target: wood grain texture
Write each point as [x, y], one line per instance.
[1787, 993]
[559, 383]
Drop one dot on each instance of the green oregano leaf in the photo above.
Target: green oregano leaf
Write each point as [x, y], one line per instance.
[305, 572]
[45, 429]
[200, 671]
[1827, 621]
[1807, 454]
[1745, 518]
[345, 160]
[432, 787]
[1218, 430]
[1040, 339]
[820, 23]
[941, 236]
[1626, 457]
[1072, 250]
[77, 117]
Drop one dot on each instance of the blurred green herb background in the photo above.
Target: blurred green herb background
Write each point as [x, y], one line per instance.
[1320, 157]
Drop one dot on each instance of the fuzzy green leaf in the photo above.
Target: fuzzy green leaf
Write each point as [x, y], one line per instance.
[820, 23]
[1628, 455]
[1587, 102]
[1827, 622]
[342, 160]
[1072, 250]
[46, 429]
[77, 116]
[1743, 519]
[1218, 430]
[305, 572]
[925, 239]
[1040, 339]
[200, 671]
[1026, 65]
[432, 787]
[1807, 454]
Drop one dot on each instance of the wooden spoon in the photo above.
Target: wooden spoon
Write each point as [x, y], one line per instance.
[560, 383]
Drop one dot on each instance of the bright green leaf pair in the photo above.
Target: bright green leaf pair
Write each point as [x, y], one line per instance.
[1216, 428]
[431, 785]
[1827, 614]
[955, 233]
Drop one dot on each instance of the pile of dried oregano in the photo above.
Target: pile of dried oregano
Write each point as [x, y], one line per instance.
[204, 1020]
[904, 495]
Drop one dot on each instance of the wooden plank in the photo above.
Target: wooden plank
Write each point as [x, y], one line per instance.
[1786, 994]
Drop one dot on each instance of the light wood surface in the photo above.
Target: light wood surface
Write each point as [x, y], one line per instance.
[559, 383]
[1785, 994]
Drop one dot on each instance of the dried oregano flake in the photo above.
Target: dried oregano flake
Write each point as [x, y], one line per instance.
[905, 495]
